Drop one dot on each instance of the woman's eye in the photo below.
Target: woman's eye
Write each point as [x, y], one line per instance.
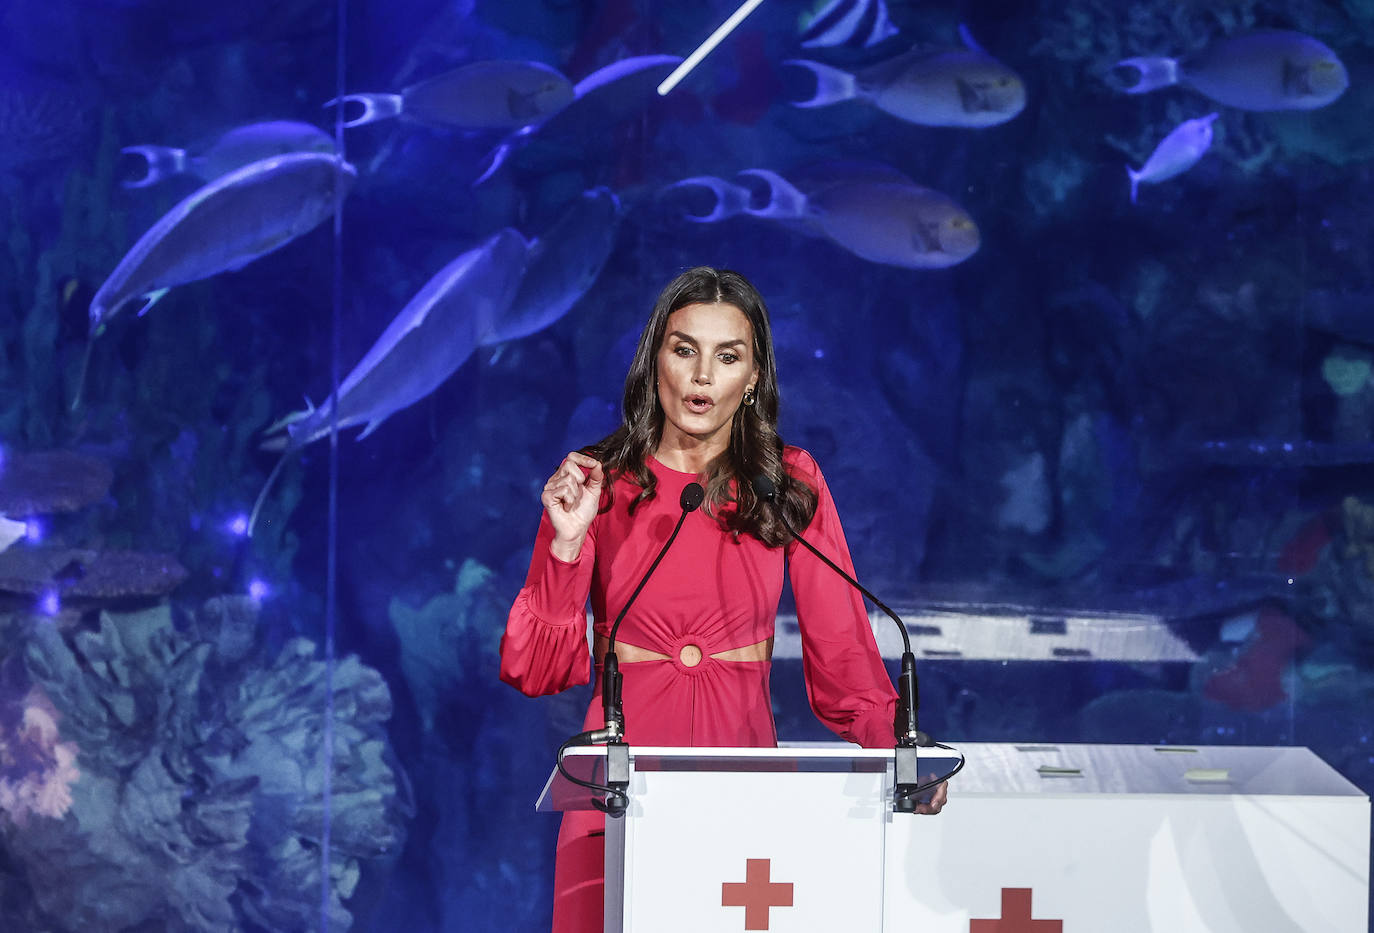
[683, 351]
[728, 358]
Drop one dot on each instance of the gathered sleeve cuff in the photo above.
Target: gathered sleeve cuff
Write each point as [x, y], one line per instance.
[847, 682]
[544, 648]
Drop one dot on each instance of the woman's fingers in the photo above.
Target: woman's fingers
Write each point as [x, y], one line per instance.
[937, 800]
[576, 475]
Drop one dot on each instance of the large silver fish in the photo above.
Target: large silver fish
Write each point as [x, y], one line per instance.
[601, 101]
[862, 23]
[1264, 70]
[561, 265]
[1175, 154]
[236, 148]
[487, 95]
[869, 209]
[424, 344]
[225, 225]
[956, 87]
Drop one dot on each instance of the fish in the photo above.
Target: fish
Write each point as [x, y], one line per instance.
[1175, 154]
[1264, 70]
[225, 225]
[561, 265]
[11, 531]
[234, 149]
[870, 209]
[860, 23]
[487, 95]
[433, 335]
[425, 343]
[601, 101]
[963, 87]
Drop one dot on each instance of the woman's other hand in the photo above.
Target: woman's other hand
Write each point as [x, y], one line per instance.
[937, 799]
[572, 497]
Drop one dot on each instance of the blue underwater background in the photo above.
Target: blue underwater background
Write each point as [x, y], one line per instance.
[1132, 441]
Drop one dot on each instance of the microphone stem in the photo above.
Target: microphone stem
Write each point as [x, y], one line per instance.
[901, 626]
[906, 732]
[610, 649]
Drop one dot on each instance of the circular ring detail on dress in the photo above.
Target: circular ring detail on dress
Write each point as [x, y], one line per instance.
[690, 655]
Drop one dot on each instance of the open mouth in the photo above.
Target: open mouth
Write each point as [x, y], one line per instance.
[699, 403]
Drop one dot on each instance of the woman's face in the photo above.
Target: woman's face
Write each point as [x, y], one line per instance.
[705, 363]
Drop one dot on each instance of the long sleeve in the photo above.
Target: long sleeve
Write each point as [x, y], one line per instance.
[544, 648]
[846, 681]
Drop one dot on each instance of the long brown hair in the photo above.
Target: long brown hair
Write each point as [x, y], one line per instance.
[755, 447]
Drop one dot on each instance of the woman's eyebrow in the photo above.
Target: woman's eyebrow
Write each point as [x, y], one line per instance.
[679, 335]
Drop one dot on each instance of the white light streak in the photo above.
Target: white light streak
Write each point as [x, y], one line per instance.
[705, 48]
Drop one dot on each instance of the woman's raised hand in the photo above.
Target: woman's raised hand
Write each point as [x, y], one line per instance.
[571, 497]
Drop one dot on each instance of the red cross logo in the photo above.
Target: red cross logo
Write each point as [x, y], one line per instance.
[1016, 916]
[756, 893]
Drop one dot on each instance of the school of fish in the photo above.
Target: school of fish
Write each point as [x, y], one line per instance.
[265, 184]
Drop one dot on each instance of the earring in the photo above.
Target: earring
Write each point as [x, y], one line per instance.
[749, 395]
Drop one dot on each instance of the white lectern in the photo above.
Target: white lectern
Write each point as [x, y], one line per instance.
[1035, 839]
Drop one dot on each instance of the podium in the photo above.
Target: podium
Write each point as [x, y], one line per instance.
[1035, 839]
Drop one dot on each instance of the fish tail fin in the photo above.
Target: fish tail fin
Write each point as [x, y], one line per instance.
[785, 202]
[729, 199]
[1135, 181]
[152, 298]
[375, 107]
[159, 162]
[1151, 73]
[833, 85]
[262, 495]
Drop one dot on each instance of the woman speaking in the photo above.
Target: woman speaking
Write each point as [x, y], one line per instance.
[700, 406]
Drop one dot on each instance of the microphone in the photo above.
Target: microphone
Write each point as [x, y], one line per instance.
[617, 751]
[904, 726]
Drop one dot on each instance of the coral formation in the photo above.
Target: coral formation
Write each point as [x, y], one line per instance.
[79, 573]
[1357, 520]
[37, 770]
[50, 481]
[200, 804]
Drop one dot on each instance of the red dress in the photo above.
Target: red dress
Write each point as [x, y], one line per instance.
[715, 591]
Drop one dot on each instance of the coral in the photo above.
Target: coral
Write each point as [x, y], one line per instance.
[200, 804]
[1255, 681]
[1357, 519]
[76, 573]
[36, 770]
[1346, 370]
[1027, 503]
[436, 637]
[45, 482]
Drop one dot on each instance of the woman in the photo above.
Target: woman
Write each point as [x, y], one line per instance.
[701, 405]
